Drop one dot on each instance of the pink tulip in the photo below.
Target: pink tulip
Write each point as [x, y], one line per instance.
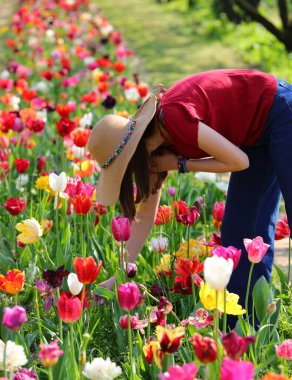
[256, 249]
[218, 212]
[128, 296]
[284, 351]
[185, 372]
[236, 370]
[228, 253]
[13, 318]
[121, 228]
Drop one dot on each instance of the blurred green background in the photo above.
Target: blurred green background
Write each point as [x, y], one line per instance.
[175, 38]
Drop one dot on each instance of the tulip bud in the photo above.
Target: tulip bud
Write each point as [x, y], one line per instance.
[171, 191]
[131, 270]
[124, 321]
[121, 228]
[74, 285]
[271, 309]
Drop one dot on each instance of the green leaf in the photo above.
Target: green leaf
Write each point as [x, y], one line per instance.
[261, 297]
[105, 293]
[283, 280]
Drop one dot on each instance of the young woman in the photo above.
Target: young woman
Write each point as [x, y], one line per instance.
[237, 121]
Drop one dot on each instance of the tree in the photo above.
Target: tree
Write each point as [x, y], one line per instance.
[250, 8]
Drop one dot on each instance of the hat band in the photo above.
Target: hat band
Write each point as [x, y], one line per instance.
[120, 147]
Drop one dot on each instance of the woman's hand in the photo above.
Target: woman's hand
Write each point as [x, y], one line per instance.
[164, 162]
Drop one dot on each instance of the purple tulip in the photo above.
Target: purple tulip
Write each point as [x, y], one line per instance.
[171, 191]
[25, 374]
[14, 317]
[121, 228]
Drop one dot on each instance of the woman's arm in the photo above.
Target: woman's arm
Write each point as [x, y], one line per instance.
[224, 156]
[140, 228]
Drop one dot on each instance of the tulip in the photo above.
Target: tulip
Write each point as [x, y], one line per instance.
[284, 351]
[170, 339]
[185, 372]
[58, 184]
[235, 345]
[121, 228]
[74, 285]
[159, 244]
[205, 348]
[12, 282]
[14, 205]
[24, 374]
[131, 270]
[171, 191]
[228, 253]
[81, 204]
[14, 354]
[13, 318]
[282, 229]
[55, 277]
[21, 165]
[50, 353]
[70, 308]
[164, 215]
[87, 270]
[151, 350]
[65, 126]
[41, 161]
[30, 230]
[217, 271]
[190, 217]
[275, 376]
[218, 213]
[236, 370]
[128, 296]
[180, 207]
[135, 322]
[80, 137]
[100, 368]
[208, 299]
[256, 249]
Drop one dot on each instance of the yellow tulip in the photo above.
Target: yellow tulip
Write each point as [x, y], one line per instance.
[208, 299]
[30, 230]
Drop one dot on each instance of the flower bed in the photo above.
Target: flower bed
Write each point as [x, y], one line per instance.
[167, 316]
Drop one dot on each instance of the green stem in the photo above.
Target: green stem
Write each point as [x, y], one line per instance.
[73, 349]
[224, 315]
[37, 306]
[130, 346]
[247, 292]
[193, 292]
[188, 236]
[216, 324]
[60, 320]
[4, 356]
[81, 233]
[47, 253]
[50, 373]
[289, 262]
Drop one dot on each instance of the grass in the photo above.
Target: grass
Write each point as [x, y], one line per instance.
[168, 42]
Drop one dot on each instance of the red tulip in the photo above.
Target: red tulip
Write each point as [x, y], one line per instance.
[128, 296]
[80, 137]
[69, 307]
[190, 217]
[121, 228]
[235, 345]
[65, 127]
[228, 253]
[218, 212]
[81, 204]
[205, 348]
[86, 269]
[41, 161]
[164, 215]
[282, 229]
[180, 207]
[21, 165]
[14, 205]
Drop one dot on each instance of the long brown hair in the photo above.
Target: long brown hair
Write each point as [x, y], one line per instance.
[139, 171]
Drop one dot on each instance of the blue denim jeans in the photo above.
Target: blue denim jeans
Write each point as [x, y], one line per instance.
[253, 196]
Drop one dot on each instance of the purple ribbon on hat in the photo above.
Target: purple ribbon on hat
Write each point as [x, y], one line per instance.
[120, 147]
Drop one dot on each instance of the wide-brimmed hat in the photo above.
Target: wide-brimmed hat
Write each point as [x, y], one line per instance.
[112, 144]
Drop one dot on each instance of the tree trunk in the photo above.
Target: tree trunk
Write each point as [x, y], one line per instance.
[227, 7]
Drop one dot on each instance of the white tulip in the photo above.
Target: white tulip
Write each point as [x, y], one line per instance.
[100, 369]
[74, 285]
[132, 94]
[217, 271]
[205, 177]
[21, 181]
[15, 356]
[5, 74]
[58, 184]
[159, 244]
[86, 120]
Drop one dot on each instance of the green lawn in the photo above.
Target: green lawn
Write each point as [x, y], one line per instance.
[168, 42]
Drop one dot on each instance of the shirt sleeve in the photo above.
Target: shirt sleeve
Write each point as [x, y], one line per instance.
[181, 122]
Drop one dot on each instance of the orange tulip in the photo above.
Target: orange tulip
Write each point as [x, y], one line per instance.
[12, 282]
[87, 270]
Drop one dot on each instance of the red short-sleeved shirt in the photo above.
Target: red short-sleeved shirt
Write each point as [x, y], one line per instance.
[235, 103]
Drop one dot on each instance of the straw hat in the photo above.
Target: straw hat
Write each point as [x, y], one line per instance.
[112, 144]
